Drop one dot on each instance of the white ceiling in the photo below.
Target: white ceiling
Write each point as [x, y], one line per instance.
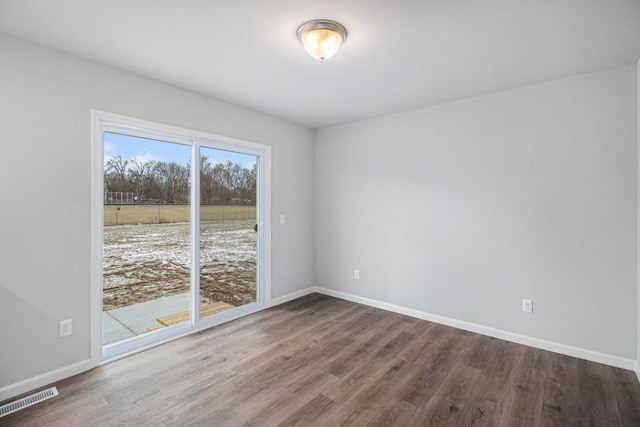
[399, 55]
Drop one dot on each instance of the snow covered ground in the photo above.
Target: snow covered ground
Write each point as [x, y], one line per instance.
[149, 261]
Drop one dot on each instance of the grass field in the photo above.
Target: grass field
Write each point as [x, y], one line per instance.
[161, 214]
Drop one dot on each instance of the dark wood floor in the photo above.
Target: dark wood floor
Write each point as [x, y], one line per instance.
[322, 361]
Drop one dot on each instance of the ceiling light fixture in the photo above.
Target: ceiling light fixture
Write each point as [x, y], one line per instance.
[322, 38]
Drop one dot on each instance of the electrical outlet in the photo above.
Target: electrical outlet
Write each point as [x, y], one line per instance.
[66, 328]
[282, 219]
[527, 305]
[356, 274]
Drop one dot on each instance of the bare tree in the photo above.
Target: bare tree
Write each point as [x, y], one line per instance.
[115, 175]
[142, 175]
[174, 180]
[169, 182]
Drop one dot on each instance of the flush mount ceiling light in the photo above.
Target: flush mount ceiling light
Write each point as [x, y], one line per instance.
[322, 38]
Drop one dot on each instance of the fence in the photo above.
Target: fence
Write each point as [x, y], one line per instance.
[158, 214]
[117, 197]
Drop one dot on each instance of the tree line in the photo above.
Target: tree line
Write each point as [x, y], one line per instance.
[169, 182]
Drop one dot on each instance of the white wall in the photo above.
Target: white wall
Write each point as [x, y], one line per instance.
[463, 209]
[45, 189]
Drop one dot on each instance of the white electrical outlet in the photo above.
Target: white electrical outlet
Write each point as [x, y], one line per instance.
[356, 274]
[282, 219]
[527, 305]
[66, 328]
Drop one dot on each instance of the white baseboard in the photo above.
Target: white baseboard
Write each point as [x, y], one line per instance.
[581, 353]
[291, 296]
[12, 390]
[637, 370]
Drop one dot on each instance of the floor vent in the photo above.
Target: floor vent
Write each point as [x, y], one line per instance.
[28, 401]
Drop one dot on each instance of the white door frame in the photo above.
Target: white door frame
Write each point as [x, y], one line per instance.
[103, 120]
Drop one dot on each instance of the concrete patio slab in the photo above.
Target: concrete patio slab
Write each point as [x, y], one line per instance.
[113, 330]
[139, 317]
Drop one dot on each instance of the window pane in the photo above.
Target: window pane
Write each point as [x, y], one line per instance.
[146, 240]
[227, 230]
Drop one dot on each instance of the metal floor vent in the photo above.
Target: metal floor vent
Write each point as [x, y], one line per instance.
[28, 401]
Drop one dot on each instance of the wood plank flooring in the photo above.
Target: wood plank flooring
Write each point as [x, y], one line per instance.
[321, 361]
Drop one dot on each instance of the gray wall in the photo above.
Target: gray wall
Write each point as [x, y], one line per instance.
[463, 209]
[45, 192]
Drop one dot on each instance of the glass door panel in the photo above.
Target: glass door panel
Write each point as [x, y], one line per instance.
[228, 230]
[146, 236]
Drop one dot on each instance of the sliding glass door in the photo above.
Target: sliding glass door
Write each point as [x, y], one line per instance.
[179, 246]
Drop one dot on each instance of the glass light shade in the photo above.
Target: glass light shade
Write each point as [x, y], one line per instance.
[321, 44]
[322, 38]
